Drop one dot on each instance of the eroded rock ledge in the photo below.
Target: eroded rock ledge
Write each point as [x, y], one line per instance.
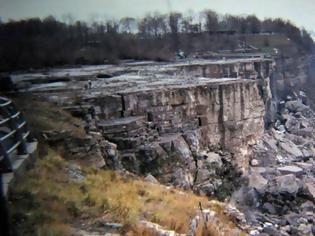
[184, 123]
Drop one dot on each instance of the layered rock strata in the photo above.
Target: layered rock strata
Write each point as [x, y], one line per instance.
[173, 120]
[165, 131]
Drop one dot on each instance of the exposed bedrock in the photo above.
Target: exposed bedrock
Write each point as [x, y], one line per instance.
[176, 133]
[191, 124]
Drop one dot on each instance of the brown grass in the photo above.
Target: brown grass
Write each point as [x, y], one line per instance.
[47, 199]
[45, 116]
[218, 228]
[48, 202]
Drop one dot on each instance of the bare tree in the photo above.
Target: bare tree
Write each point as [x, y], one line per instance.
[253, 24]
[112, 26]
[128, 24]
[187, 24]
[174, 25]
[211, 21]
[158, 24]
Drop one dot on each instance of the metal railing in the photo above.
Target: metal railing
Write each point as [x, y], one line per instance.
[14, 134]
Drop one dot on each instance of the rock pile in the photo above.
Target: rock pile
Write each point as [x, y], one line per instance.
[280, 194]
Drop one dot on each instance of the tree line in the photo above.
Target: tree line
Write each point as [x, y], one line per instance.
[37, 43]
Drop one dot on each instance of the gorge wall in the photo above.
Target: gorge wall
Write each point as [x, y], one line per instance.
[292, 75]
[183, 122]
[227, 114]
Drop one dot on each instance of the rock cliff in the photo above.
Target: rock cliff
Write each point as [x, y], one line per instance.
[186, 123]
[227, 114]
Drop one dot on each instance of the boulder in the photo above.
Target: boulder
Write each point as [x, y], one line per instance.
[292, 218]
[110, 154]
[286, 184]
[279, 136]
[213, 160]
[305, 165]
[270, 229]
[236, 216]
[157, 229]
[290, 148]
[292, 124]
[305, 229]
[182, 178]
[271, 142]
[305, 132]
[150, 178]
[75, 173]
[258, 182]
[310, 189]
[285, 114]
[130, 162]
[295, 106]
[268, 207]
[86, 149]
[254, 162]
[292, 169]
[251, 197]
[206, 189]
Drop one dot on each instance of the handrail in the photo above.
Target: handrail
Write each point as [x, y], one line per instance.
[5, 137]
[16, 115]
[5, 104]
[18, 132]
[4, 121]
[21, 125]
[12, 132]
[14, 146]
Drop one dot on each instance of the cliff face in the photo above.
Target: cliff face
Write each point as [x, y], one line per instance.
[223, 113]
[175, 121]
[292, 75]
[158, 130]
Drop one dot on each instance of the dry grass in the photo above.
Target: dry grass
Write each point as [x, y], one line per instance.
[44, 116]
[47, 200]
[218, 227]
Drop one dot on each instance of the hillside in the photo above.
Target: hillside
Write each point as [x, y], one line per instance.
[61, 195]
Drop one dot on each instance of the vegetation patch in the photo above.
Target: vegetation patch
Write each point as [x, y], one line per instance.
[50, 200]
[45, 116]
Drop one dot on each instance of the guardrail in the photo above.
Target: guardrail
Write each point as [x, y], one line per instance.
[14, 154]
[14, 134]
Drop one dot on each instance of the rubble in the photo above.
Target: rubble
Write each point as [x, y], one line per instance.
[285, 184]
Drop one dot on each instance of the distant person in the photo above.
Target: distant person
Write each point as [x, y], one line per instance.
[88, 85]
[180, 54]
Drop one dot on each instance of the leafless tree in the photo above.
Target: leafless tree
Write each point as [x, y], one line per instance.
[128, 24]
[211, 21]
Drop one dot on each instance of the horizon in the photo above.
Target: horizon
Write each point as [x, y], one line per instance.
[97, 10]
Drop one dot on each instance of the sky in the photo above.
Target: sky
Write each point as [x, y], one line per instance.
[300, 12]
